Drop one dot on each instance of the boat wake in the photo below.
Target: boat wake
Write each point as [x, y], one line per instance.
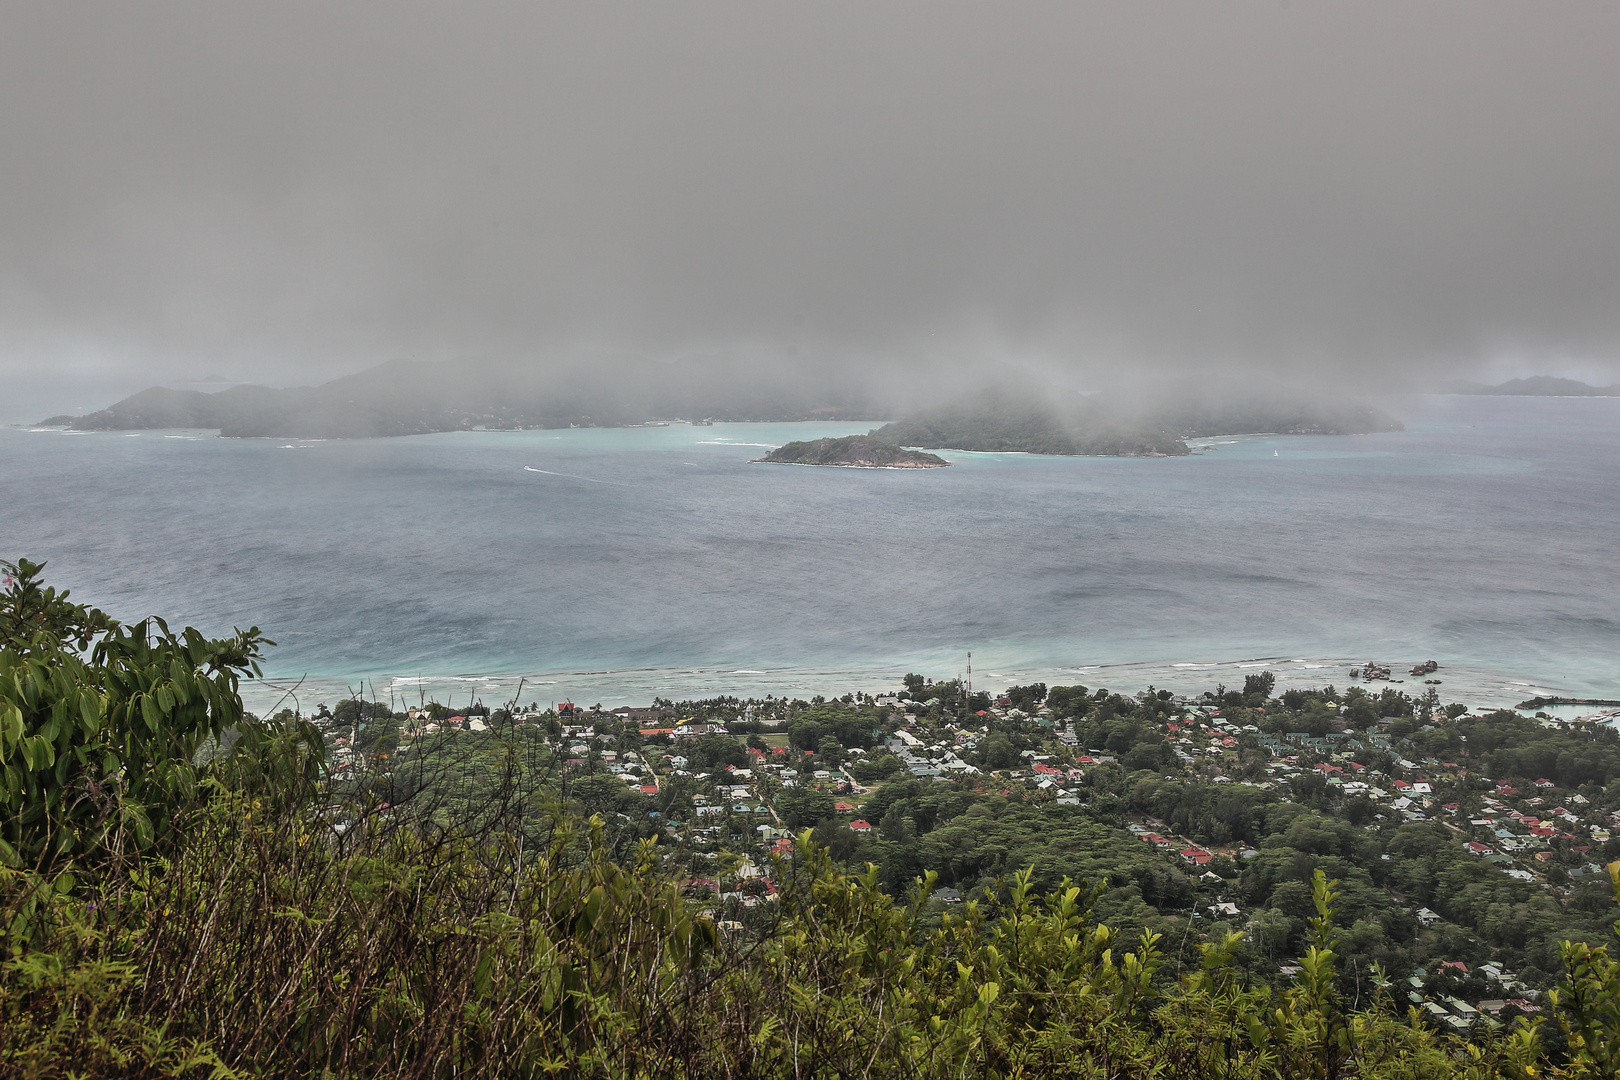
[571, 476]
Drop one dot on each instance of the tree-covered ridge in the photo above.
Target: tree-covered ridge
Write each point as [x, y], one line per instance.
[409, 397]
[927, 883]
[857, 451]
[1219, 809]
[1025, 422]
[1535, 386]
[1263, 794]
[1000, 424]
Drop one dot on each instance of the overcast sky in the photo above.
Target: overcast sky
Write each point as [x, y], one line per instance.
[285, 192]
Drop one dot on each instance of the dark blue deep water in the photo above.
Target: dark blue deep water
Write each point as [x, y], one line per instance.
[622, 562]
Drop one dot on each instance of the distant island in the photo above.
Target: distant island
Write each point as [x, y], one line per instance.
[419, 398]
[1535, 386]
[408, 397]
[1011, 422]
[855, 452]
[996, 424]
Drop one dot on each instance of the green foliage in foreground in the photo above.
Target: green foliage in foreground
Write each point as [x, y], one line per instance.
[100, 723]
[280, 947]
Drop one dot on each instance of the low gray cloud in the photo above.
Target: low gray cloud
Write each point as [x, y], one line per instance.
[287, 192]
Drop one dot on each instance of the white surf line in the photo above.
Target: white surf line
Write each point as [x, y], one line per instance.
[570, 476]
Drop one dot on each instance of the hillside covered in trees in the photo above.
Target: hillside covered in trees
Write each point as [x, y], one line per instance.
[406, 397]
[1149, 424]
[853, 451]
[773, 887]
[1003, 423]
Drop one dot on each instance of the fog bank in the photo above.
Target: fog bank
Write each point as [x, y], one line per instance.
[1377, 195]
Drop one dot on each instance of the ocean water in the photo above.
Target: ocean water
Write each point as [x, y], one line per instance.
[613, 565]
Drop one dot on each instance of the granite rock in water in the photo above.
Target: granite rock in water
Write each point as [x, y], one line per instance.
[853, 451]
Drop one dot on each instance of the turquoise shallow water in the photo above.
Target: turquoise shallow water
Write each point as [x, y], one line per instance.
[613, 564]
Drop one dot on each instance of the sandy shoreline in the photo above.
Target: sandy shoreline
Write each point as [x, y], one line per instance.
[613, 687]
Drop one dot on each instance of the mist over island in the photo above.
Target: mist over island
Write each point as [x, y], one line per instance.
[1155, 193]
[1534, 386]
[415, 398]
[406, 397]
[1154, 426]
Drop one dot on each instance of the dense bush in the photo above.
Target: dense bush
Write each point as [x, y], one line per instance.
[101, 723]
[281, 946]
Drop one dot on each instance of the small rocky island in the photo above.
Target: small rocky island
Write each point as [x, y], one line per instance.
[853, 451]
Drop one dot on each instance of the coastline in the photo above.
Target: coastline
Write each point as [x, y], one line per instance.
[1063, 563]
[637, 686]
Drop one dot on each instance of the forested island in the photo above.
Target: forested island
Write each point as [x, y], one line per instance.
[932, 881]
[1000, 421]
[417, 398]
[853, 451]
[407, 397]
[1535, 386]
[993, 423]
